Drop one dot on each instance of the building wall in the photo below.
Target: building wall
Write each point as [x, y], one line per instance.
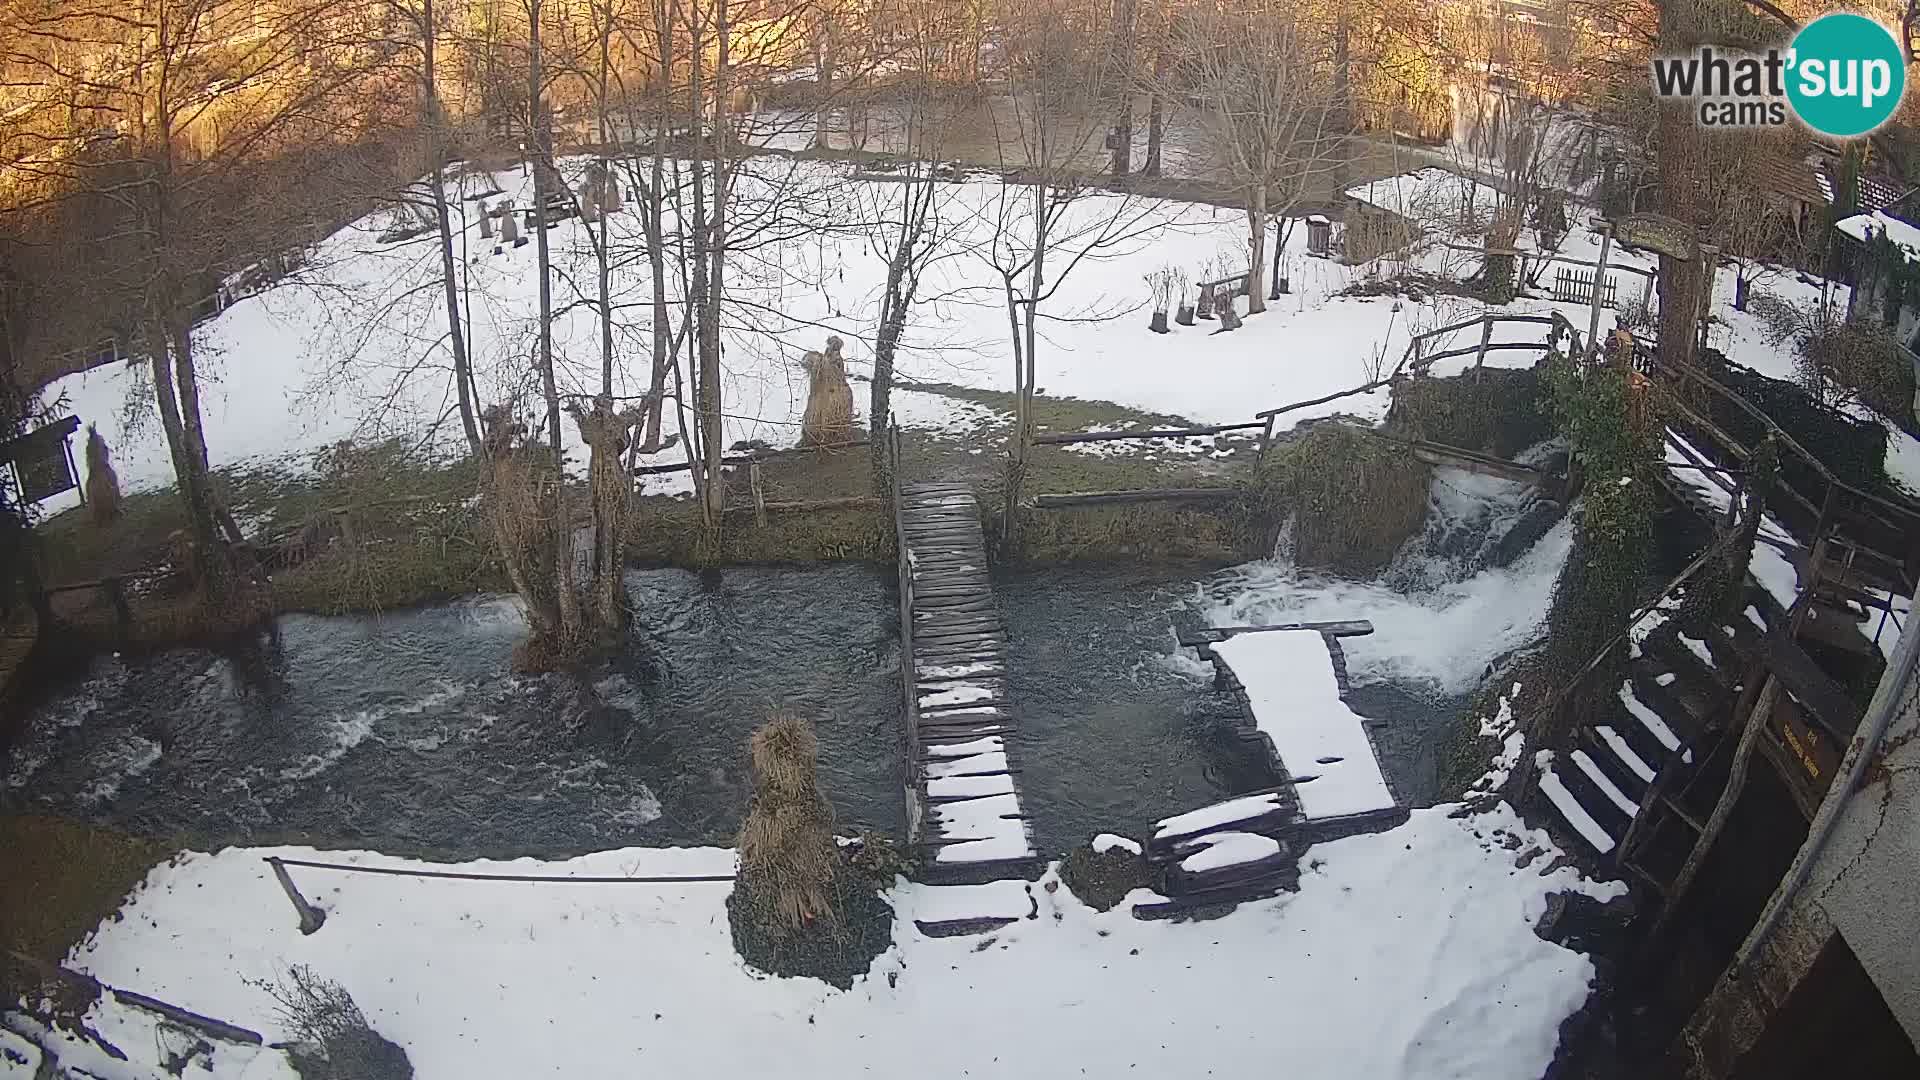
[1862, 886]
[1867, 882]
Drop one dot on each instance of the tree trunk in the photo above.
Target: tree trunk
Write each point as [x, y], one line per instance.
[1680, 161]
[1123, 61]
[653, 212]
[893, 319]
[209, 563]
[568, 599]
[1342, 96]
[1257, 251]
[1156, 101]
[449, 281]
[712, 425]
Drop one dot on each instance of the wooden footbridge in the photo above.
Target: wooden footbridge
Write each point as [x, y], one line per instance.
[963, 799]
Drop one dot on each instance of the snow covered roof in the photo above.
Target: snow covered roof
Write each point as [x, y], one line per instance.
[1903, 233]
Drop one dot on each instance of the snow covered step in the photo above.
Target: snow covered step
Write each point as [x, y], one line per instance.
[1262, 811]
[1231, 860]
[1217, 851]
[987, 829]
[969, 787]
[1605, 783]
[1569, 808]
[1649, 719]
[985, 763]
[1624, 752]
[951, 910]
[18, 1057]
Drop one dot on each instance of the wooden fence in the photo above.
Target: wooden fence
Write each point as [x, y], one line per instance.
[1576, 287]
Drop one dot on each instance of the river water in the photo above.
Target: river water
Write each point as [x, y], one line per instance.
[406, 733]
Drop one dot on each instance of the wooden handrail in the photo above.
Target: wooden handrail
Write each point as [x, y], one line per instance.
[1791, 443]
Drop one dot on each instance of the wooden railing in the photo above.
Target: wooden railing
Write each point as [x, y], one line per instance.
[1418, 359]
[1830, 501]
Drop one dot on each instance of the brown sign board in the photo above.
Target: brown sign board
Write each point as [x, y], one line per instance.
[1658, 232]
[41, 461]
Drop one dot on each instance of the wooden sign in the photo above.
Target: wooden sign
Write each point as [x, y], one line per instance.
[42, 461]
[1658, 232]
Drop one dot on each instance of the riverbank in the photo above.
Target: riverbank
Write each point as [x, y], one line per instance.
[1377, 967]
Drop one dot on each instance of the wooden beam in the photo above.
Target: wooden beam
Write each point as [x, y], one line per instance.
[1214, 634]
[1104, 498]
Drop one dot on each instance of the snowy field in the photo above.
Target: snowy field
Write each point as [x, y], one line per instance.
[1404, 954]
[353, 346]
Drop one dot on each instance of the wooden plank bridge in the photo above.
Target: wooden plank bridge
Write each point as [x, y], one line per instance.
[963, 801]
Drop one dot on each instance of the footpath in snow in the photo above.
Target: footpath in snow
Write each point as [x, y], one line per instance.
[1405, 954]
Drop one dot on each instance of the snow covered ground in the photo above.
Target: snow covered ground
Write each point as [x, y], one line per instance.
[1408, 954]
[353, 346]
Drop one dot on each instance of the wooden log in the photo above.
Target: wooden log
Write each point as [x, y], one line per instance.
[311, 918]
[1213, 634]
[1106, 498]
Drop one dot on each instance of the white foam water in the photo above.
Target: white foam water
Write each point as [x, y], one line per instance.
[349, 730]
[127, 759]
[1439, 615]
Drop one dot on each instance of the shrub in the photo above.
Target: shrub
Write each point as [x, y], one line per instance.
[332, 1039]
[1837, 359]
[1101, 879]
[1354, 498]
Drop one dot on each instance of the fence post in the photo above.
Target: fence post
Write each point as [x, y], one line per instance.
[1486, 338]
[1600, 284]
[311, 918]
[759, 494]
[1266, 438]
[117, 596]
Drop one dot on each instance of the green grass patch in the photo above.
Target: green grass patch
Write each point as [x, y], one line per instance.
[62, 879]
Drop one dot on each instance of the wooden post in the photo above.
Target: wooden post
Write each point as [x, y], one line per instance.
[759, 494]
[311, 918]
[1266, 438]
[117, 597]
[1750, 736]
[1707, 262]
[1486, 338]
[1599, 284]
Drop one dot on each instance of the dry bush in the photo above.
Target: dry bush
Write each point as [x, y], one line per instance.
[103, 484]
[332, 1038]
[1839, 359]
[788, 858]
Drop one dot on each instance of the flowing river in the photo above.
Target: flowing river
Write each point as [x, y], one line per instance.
[406, 732]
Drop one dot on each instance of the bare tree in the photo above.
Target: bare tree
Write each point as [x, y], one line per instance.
[1045, 226]
[1271, 92]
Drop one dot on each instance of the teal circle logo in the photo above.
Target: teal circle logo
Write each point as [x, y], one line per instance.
[1845, 75]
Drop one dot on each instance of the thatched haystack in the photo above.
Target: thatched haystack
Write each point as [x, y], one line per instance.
[829, 415]
[798, 906]
[788, 858]
[103, 484]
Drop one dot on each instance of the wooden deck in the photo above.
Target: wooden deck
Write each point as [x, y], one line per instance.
[963, 801]
[1249, 846]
